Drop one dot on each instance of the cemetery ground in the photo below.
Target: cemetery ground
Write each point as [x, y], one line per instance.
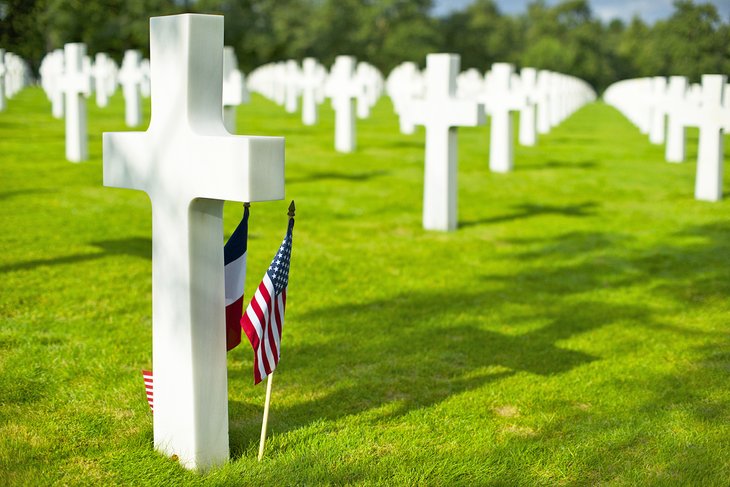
[573, 330]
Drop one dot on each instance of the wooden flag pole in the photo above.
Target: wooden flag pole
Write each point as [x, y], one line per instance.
[269, 379]
[262, 442]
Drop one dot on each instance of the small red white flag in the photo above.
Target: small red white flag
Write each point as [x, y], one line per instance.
[147, 376]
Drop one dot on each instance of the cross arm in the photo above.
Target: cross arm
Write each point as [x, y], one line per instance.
[239, 168]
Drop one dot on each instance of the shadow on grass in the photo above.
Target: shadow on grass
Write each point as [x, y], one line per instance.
[337, 176]
[528, 210]
[133, 246]
[22, 192]
[551, 165]
[414, 358]
[393, 356]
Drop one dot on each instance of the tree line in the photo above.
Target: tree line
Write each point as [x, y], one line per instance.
[567, 37]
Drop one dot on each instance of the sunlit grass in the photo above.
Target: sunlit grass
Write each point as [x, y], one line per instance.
[574, 330]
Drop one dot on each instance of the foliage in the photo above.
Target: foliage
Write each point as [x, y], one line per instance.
[565, 37]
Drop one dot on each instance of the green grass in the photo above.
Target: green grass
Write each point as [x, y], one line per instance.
[573, 331]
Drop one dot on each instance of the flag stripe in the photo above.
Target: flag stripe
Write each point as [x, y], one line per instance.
[263, 321]
[235, 275]
[234, 259]
[148, 386]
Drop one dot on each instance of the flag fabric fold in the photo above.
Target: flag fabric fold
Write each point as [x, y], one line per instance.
[234, 257]
[263, 321]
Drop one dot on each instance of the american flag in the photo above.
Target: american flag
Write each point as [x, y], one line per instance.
[147, 376]
[264, 318]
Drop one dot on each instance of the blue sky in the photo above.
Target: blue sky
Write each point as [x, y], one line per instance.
[649, 10]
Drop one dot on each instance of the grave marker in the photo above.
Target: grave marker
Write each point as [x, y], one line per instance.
[502, 104]
[189, 164]
[714, 117]
[291, 86]
[658, 110]
[234, 88]
[3, 71]
[130, 77]
[528, 121]
[76, 86]
[311, 82]
[676, 110]
[102, 71]
[441, 113]
[343, 92]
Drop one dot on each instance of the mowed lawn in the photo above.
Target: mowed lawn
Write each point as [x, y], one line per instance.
[574, 330]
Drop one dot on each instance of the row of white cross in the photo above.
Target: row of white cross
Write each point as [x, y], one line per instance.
[14, 75]
[189, 164]
[663, 109]
[353, 88]
[68, 77]
[440, 99]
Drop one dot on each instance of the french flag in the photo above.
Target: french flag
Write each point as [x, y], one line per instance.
[234, 258]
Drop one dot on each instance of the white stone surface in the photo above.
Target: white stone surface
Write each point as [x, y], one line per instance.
[528, 113]
[658, 115]
[234, 88]
[188, 164]
[441, 112]
[369, 83]
[51, 71]
[404, 84]
[544, 79]
[131, 78]
[76, 86]
[675, 150]
[343, 90]
[503, 102]
[292, 84]
[312, 81]
[145, 86]
[104, 71]
[3, 72]
[715, 116]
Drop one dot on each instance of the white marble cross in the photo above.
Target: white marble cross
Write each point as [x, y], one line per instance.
[714, 117]
[76, 86]
[103, 69]
[503, 102]
[404, 84]
[677, 103]
[441, 113]
[145, 88]
[311, 82]
[658, 110]
[189, 164]
[343, 91]
[56, 83]
[3, 71]
[544, 82]
[528, 121]
[291, 86]
[130, 77]
[234, 88]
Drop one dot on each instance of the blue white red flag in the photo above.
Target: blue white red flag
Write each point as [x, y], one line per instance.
[263, 321]
[234, 257]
